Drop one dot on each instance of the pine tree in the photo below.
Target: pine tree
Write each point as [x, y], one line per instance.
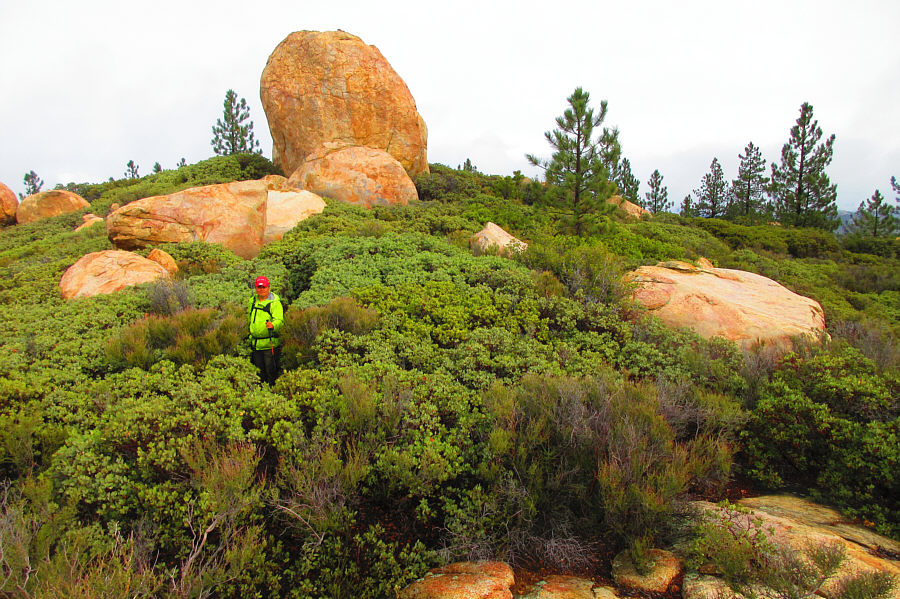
[749, 189]
[575, 166]
[875, 218]
[712, 196]
[895, 185]
[687, 208]
[232, 135]
[33, 184]
[657, 199]
[804, 196]
[181, 163]
[131, 170]
[157, 167]
[628, 184]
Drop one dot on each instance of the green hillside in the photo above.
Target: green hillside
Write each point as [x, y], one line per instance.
[438, 403]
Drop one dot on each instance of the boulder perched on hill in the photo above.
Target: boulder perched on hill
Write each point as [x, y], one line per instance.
[9, 203]
[357, 175]
[630, 208]
[493, 235]
[46, 204]
[107, 272]
[320, 87]
[744, 307]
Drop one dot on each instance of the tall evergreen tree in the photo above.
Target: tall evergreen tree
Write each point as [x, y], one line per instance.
[804, 196]
[657, 199]
[748, 191]
[895, 185]
[874, 218]
[575, 167]
[628, 184]
[712, 195]
[157, 167]
[234, 134]
[33, 184]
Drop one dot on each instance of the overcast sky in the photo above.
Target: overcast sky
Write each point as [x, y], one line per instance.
[89, 85]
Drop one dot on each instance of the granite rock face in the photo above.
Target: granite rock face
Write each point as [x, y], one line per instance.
[744, 307]
[331, 87]
[493, 235]
[107, 272]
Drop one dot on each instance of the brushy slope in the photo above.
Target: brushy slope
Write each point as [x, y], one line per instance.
[437, 404]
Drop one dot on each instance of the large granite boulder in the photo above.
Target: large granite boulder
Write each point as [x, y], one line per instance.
[242, 216]
[9, 203]
[320, 87]
[107, 272]
[357, 175]
[744, 307]
[46, 204]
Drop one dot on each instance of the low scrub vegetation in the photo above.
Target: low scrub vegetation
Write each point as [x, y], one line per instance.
[436, 404]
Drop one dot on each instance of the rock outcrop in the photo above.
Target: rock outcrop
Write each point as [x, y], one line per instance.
[357, 175]
[46, 204]
[463, 580]
[323, 87]
[9, 203]
[663, 568]
[632, 209]
[87, 220]
[494, 236]
[232, 214]
[164, 259]
[107, 272]
[744, 307]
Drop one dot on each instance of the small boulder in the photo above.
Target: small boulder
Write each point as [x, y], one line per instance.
[463, 580]
[494, 236]
[9, 203]
[46, 204]
[164, 259]
[743, 307]
[107, 272]
[87, 220]
[569, 587]
[319, 87]
[664, 567]
[630, 208]
[232, 214]
[357, 175]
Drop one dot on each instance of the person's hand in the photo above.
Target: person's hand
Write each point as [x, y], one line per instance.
[269, 324]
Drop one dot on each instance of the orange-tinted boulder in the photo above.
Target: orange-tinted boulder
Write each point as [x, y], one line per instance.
[463, 580]
[321, 87]
[357, 175]
[9, 203]
[164, 259]
[744, 307]
[87, 220]
[231, 214]
[46, 204]
[107, 272]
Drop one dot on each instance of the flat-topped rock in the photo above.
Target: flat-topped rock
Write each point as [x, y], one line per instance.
[747, 308]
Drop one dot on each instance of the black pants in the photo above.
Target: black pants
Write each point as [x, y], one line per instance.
[269, 364]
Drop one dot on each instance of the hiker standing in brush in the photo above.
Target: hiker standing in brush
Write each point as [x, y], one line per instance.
[266, 319]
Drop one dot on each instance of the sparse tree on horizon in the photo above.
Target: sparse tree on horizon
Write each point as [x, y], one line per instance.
[687, 208]
[181, 163]
[33, 184]
[748, 191]
[575, 166]
[628, 184]
[895, 185]
[874, 218]
[657, 199]
[712, 195]
[619, 167]
[234, 133]
[157, 167]
[804, 196]
[131, 170]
